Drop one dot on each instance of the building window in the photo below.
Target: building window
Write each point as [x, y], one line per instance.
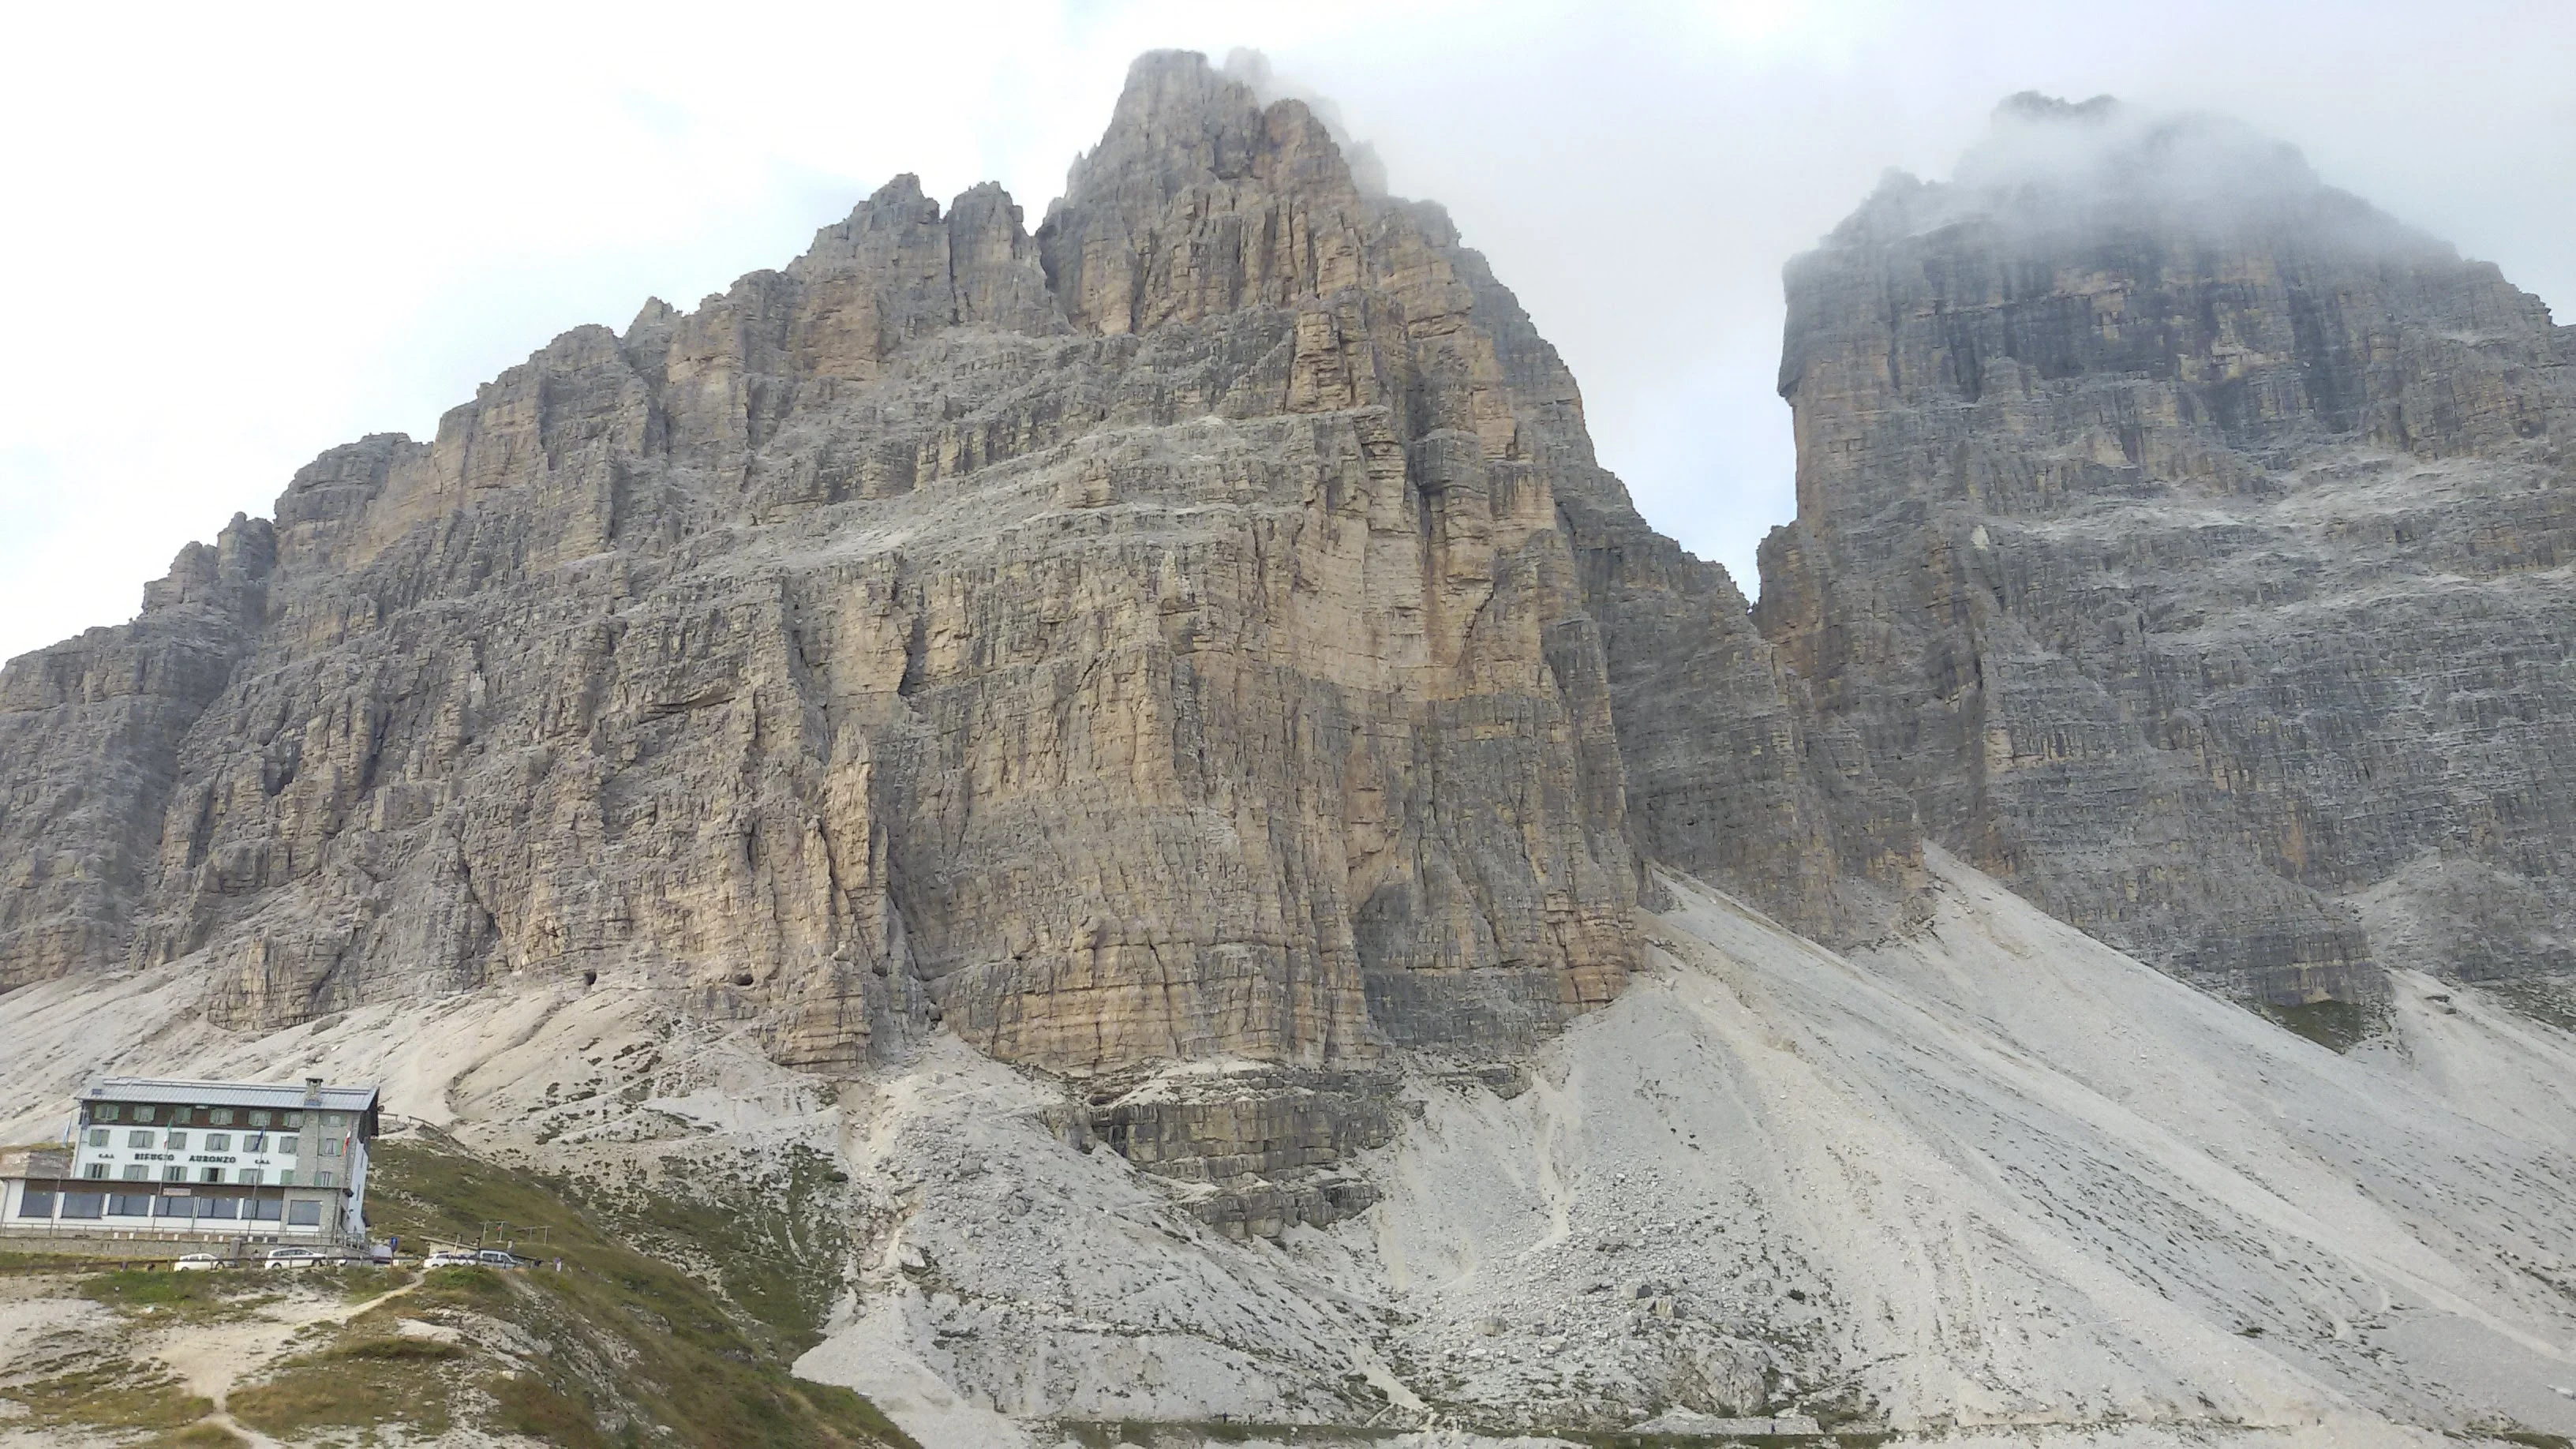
[254, 1142]
[330, 1146]
[304, 1215]
[103, 1112]
[289, 1146]
[218, 1207]
[262, 1209]
[259, 1119]
[247, 1174]
[96, 1169]
[322, 1179]
[286, 1177]
[174, 1207]
[178, 1141]
[98, 1137]
[174, 1173]
[213, 1174]
[219, 1142]
[330, 1119]
[138, 1139]
[290, 1119]
[129, 1205]
[135, 1172]
[34, 1204]
[84, 1204]
[220, 1116]
[143, 1113]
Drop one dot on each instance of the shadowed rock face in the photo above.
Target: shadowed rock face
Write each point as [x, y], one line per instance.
[1193, 628]
[2191, 543]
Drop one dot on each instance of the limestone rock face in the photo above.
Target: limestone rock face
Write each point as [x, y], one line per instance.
[90, 741]
[1193, 628]
[2191, 544]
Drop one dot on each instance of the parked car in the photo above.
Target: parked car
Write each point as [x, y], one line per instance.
[496, 1258]
[450, 1258]
[198, 1263]
[297, 1258]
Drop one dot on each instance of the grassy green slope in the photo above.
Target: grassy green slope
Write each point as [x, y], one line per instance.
[619, 1345]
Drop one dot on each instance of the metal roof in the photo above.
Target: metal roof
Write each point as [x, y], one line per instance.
[227, 1094]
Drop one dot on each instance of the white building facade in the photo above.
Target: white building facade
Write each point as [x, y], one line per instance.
[217, 1159]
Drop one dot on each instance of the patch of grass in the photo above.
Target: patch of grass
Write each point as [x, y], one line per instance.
[769, 1235]
[686, 1359]
[1616, 1440]
[357, 1285]
[198, 1436]
[1110, 1433]
[531, 1406]
[109, 1395]
[2528, 1438]
[31, 1262]
[218, 1293]
[462, 1287]
[135, 1287]
[2338, 1026]
[321, 1391]
[391, 1347]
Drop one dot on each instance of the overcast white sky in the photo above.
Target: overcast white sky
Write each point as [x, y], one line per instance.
[239, 235]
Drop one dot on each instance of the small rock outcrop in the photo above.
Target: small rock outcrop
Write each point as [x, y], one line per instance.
[2190, 544]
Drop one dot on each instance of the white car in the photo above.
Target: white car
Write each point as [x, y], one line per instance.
[297, 1258]
[198, 1263]
[449, 1258]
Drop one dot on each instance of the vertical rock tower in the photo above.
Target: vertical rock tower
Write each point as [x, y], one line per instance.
[2190, 543]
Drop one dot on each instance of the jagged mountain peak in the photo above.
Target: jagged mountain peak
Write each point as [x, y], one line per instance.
[1181, 121]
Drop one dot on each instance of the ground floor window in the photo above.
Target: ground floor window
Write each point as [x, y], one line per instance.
[83, 1204]
[218, 1207]
[174, 1207]
[36, 1205]
[262, 1209]
[304, 1215]
[129, 1205]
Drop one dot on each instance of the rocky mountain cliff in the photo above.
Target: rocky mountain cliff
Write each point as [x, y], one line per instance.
[1191, 648]
[2191, 543]
[1198, 626]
